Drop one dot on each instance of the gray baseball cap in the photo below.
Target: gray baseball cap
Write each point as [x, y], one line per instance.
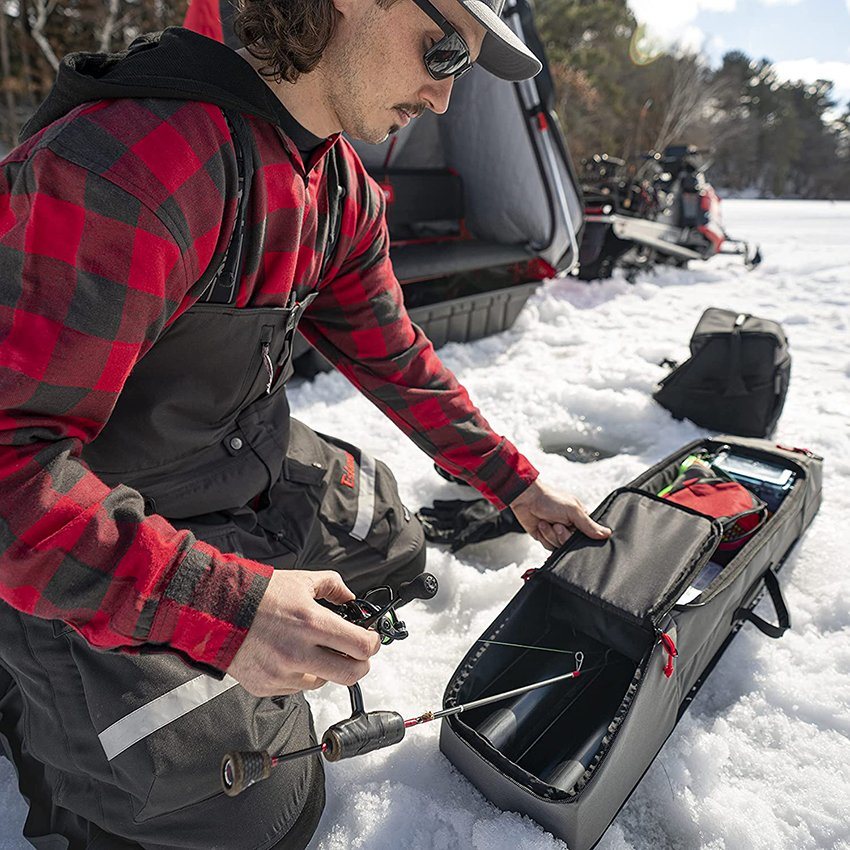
[502, 53]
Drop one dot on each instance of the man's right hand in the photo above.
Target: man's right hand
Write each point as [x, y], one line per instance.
[295, 644]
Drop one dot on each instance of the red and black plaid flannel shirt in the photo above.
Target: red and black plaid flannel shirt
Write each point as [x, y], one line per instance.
[107, 218]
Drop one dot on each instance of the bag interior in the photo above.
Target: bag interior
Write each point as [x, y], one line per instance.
[537, 737]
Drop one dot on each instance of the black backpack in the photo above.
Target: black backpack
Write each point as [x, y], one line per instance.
[736, 378]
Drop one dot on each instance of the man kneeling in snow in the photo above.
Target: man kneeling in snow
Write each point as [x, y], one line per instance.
[159, 505]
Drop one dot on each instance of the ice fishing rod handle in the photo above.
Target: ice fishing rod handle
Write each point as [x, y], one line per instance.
[362, 733]
[356, 697]
[240, 770]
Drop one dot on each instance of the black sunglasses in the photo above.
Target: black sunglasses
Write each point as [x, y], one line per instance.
[449, 57]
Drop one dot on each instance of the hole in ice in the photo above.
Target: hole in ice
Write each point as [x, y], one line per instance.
[579, 453]
[579, 448]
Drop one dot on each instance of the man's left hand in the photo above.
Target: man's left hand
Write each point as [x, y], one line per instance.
[551, 517]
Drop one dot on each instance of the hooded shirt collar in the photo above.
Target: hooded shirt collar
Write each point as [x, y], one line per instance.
[177, 63]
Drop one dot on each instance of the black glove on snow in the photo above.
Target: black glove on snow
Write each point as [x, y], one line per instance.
[459, 522]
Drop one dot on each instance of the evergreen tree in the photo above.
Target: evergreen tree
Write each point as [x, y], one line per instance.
[615, 94]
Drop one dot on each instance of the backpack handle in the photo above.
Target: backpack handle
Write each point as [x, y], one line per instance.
[736, 385]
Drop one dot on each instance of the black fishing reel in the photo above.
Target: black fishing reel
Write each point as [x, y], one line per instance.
[364, 731]
[376, 609]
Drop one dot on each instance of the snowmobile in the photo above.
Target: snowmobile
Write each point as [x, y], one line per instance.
[663, 211]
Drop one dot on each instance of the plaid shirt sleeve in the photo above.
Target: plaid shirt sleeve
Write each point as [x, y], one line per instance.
[359, 323]
[89, 275]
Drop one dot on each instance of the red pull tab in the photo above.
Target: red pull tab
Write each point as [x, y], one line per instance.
[529, 573]
[797, 450]
[672, 652]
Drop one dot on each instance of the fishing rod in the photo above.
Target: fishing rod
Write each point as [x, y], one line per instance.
[363, 732]
[428, 716]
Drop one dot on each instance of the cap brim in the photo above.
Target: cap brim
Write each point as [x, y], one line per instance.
[502, 52]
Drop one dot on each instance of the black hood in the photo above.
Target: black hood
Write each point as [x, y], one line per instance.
[176, 63]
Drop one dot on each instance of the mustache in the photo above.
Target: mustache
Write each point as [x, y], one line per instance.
[414, 110]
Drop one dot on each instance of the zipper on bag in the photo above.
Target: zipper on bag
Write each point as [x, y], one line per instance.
[669, 646]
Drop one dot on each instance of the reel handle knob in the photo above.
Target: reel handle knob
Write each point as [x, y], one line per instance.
[239, 770]
[424, 586]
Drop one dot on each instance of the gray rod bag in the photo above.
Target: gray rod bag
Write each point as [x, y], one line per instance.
[569, 755]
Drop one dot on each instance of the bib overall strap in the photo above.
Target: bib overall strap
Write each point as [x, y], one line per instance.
[224, 285]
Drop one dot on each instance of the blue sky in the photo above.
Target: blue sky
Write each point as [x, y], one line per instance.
[806, 39]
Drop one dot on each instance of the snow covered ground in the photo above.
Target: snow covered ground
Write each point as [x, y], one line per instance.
[762, 759]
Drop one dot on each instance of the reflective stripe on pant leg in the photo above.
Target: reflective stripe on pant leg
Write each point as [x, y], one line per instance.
[365, 498]
[159, 712]
[163, 792]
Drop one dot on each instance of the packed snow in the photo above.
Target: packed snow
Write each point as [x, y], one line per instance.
[762, 758]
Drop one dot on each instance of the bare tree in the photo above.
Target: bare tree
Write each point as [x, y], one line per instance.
[109, 26]
[24, 48]
[690, 96]
[8, 81]
[43, 9]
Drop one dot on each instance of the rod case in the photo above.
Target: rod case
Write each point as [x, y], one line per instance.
[647, 650]
[736, 378]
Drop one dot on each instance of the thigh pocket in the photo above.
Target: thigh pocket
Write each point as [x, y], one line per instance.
[227, 542]
[354, 495]
[362, 500]
[186, 755]
[171, 726]
[256, 545]
[224, 536]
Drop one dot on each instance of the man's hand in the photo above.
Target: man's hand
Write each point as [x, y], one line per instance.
[295, 644]
[552, 517]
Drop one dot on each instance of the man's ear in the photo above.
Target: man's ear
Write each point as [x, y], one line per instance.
[346, 7]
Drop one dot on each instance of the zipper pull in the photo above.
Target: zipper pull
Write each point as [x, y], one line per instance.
[670, 648]
[529, 573]
[798, 450]
[267, 360]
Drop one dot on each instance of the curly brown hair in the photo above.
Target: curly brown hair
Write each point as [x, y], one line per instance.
[287, 36]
